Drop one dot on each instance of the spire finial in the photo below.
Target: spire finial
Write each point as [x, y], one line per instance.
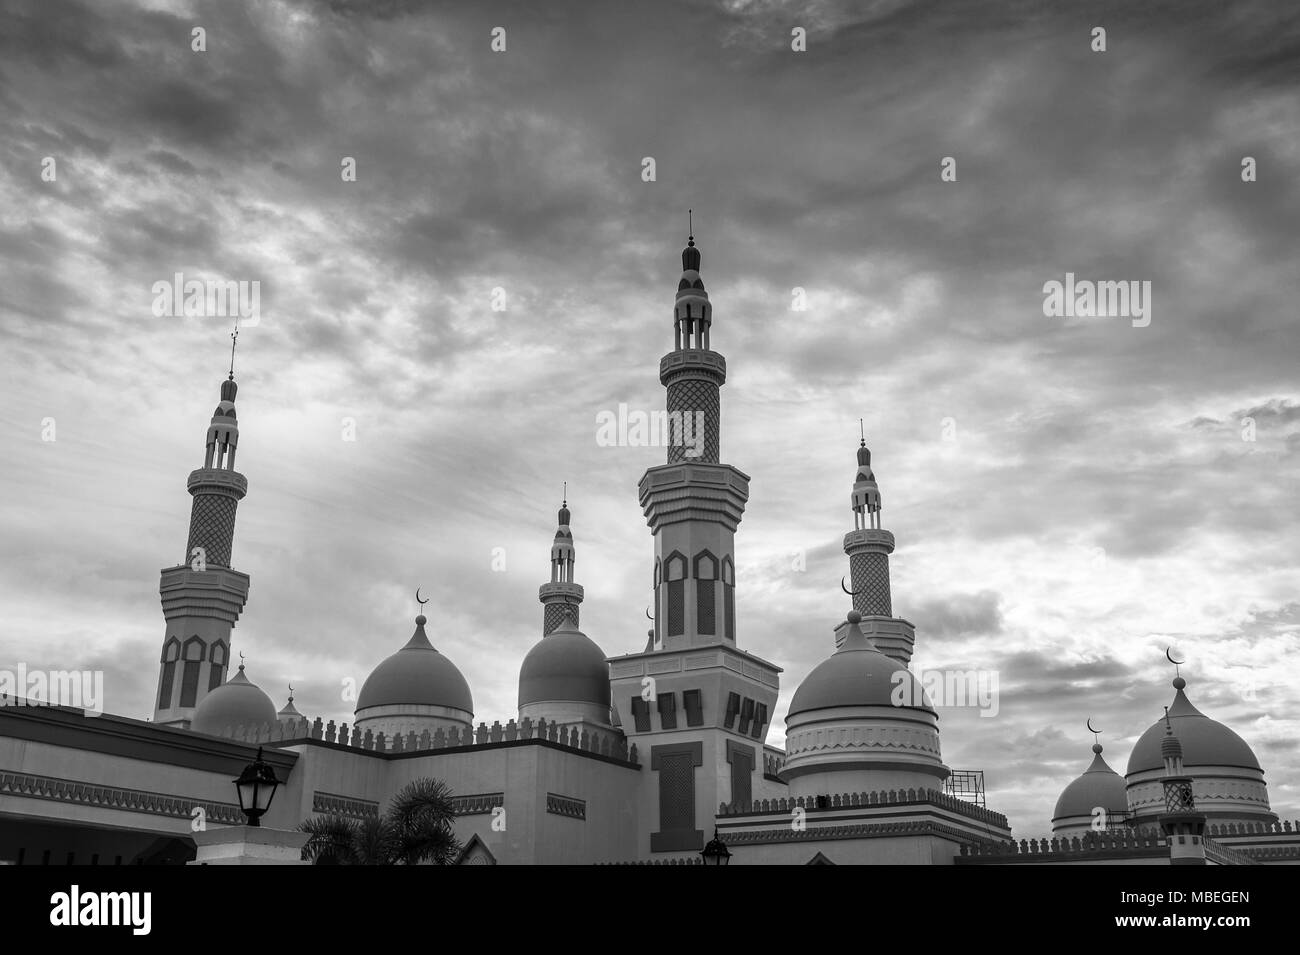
[1096, 736]
[1169, 728]
[290, 692]
[241, 662]
[234, 339]
[690, 231]
[862, 430]
[564, 499]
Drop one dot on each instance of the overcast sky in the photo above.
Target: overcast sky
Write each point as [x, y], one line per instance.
[1069, 496]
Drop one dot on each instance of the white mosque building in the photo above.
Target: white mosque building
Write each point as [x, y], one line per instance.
[636, 757]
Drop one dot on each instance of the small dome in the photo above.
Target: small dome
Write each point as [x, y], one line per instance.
[564, 666]
[416, 674]
[1098, 786]
[1204, 742]
[236, 702]
[857, 674]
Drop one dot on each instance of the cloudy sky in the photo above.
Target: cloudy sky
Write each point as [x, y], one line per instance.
[1069, 495]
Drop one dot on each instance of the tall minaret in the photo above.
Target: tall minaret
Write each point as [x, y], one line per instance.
[693, 503]
[696, 706]
[561, 596]
[202, 597]
[868, 547]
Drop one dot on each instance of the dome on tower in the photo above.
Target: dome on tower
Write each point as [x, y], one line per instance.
[290, 712]
[860, 722]
[416, 675]
[857, 674]
[1205, 742]
[237, 702]
[565, 665]
[1098, 787]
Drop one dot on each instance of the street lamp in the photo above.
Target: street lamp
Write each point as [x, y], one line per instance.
[716, 852]
[256, 786]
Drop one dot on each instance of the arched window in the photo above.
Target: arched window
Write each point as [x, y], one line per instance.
[706, 583]
[193, 655]
[170, 654]
[675, 574]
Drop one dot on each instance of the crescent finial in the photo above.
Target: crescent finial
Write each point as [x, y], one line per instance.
[1092, 729]
[851, 593]
[418, 600]
[647, 612]
[1170, 657]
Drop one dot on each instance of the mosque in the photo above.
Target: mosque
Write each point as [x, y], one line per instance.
[641, 757]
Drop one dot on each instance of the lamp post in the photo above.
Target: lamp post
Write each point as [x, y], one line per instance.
[716, 852]
[256, 787]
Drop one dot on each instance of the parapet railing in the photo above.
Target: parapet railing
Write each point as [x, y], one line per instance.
[584, 739]
[882, 797]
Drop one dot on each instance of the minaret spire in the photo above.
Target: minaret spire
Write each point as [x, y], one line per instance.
[561, 597]
[203, 596]
[234, 338]
[868, 547]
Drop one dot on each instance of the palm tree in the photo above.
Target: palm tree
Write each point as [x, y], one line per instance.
[417, 828]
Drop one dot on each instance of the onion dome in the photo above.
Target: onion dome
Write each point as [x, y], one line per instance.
[690, 256]
[237, 702]
[857, 674]
[564, 666]
[416, 675]
[1098, 787]
[1205, 742]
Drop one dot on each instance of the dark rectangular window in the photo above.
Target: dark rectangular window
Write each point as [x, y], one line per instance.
[704, 610]
[746, 714]
[742, 772]
[668, 711]
[641, 714]
[693, 703]
[733, 707]
[165, 692]
[760, 720]
[676, 608]
[214, 678]
[190, 682]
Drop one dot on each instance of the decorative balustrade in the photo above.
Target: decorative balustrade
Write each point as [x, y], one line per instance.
[288, 732]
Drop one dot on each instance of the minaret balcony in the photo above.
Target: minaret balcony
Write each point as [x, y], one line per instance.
[715, 493]
[217, 480]
[870, 538]
[693, 359]
[560, 590]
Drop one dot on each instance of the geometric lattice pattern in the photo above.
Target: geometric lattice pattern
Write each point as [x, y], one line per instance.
[870, 572]
[676, 792]
[705, 610]
[555, 614]
[689, 395]
[676, 607]
[212, 527]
